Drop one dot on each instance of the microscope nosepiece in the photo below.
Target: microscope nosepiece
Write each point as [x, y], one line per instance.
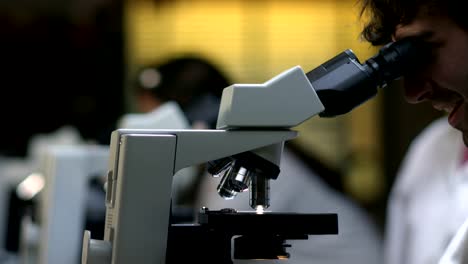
[219, 166]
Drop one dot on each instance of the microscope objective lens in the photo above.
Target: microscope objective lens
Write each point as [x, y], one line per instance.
[259, 192]
[224, 187]
[241, 179]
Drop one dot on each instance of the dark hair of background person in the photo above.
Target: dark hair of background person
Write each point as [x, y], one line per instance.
[195, 83]
[386, 14]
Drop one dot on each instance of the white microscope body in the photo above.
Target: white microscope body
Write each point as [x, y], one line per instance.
[66, 171]
[142, 163]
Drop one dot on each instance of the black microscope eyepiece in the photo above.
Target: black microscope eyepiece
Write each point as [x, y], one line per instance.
[395, 60]
[343, 83]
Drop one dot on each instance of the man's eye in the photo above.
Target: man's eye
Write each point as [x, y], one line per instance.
[428, 51]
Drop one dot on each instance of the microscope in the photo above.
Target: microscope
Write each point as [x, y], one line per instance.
[244, 151]
[63, 202]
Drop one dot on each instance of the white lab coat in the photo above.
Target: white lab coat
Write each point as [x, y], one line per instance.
[299, 190]
[429, 200]
[457, 251]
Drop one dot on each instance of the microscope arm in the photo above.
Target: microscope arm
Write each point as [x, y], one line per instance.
[214, 143]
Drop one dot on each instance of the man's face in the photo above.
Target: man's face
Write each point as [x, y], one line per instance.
[443, 81]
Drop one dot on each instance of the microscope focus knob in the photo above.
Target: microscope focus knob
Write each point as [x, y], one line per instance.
[95, 251]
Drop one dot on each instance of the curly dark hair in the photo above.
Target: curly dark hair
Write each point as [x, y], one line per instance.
[385, 15]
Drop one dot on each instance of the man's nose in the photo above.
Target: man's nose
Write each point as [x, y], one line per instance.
[417, 91]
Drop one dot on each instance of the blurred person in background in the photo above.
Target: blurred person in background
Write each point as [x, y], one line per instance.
[428, 201]
[196, 85]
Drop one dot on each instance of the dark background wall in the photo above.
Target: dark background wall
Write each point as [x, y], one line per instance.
[61, 63]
